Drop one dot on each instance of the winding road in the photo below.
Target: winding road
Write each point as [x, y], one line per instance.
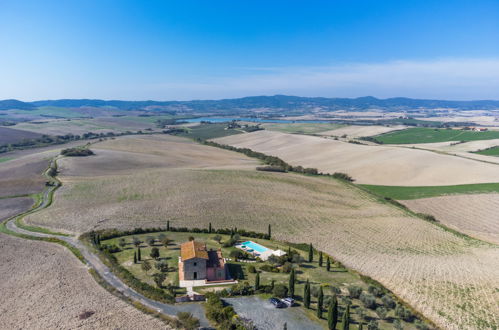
[93, 261]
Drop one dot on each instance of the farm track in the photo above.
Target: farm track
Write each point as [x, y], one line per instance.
[93, 261]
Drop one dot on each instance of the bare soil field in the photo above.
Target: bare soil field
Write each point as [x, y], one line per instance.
[355, 131]
[44, 286]
[23, 175]
[12, 206]
[476, 215]
[11, 135]
[380, 165]
[450, 279]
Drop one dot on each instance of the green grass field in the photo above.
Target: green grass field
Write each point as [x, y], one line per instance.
[494, 151]
[5, 159]
[403, 193]
[301, 128]
[209, 131]
[430, 135]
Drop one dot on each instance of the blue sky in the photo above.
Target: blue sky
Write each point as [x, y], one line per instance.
[219, 49]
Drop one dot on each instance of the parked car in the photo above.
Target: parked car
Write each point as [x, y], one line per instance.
[288, 301]
[277, 303]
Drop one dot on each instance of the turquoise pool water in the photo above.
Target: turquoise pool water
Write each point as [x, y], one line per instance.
[255, 246]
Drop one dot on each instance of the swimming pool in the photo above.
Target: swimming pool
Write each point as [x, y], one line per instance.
[255, 246]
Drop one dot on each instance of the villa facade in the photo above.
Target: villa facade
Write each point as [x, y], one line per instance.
[198, 263]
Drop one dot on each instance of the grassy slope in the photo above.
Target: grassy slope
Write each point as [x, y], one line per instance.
[304, 128]
[404, 193]
[494, 151]
[210, 131]
[430, 135]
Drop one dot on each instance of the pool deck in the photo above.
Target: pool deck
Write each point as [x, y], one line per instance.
[262, 255]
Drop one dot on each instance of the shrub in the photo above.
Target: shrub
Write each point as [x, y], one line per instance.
[251, 269]
[368, 300]
[188, 321]
[150, 240]
[404, 313]
[159, 278]
[388, 301]
[217, 238]
[354, 291]
[286, 268]
[334, 289]
[375, 291]
[373, 325]
[381, 311]
[269, 268]
[162, 266]
[343, 176]
[280, 291]
[236, 254]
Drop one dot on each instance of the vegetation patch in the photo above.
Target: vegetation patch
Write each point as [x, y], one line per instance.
[207, 131]
[493, 151]
[77, 152]
[405, 193]
[431, 135]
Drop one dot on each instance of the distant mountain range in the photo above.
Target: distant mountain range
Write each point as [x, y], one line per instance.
[277, 102]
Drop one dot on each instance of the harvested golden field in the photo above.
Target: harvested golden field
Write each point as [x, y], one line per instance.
[355, 131]
[476, 215]
[450, 279]
[44, 286]
[380, 165]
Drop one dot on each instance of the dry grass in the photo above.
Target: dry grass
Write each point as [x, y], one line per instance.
[355, 131]
[451, 279]
[23, 175]
[380, 165]
[45, 287]
[476, 215]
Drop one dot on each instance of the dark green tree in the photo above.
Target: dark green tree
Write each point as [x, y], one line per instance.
[320, 302]
[328, 264]
[257, 281]
[209, 228]
[134, 257]
[332, 313]
[306, 295]
[269, 234]
[292, 281]
[168, 225]
[154, 253]
[285, 326]
[272, 284]
[361, 326]
[310, 253]
[320, 259]
[345, 321]
[139, 257]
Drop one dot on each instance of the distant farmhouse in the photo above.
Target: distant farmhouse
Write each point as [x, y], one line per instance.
[198, 263]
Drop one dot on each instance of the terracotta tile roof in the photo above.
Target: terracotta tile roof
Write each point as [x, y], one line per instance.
[193, 249]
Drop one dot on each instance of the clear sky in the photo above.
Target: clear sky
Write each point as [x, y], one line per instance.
[166, 50]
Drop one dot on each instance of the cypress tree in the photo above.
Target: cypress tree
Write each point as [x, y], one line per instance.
[292, 281]
[361, 326]
[209, 228]
[306, 295]
[139, 257]
[270, 231]
[272, 284]
[320, 259]
[98, 240]
[134, 257]
[328, 264]
[257, 281]
[310, 253]
[168, 225]
[345, 321]
[285, 326]
[332, 314]
[320, 302]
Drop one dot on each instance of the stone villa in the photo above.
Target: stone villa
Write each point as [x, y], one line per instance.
[197, 263]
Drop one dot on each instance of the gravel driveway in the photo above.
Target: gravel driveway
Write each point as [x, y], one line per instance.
[266, 317]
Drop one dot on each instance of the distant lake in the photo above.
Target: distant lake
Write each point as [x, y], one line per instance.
[256, 120]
